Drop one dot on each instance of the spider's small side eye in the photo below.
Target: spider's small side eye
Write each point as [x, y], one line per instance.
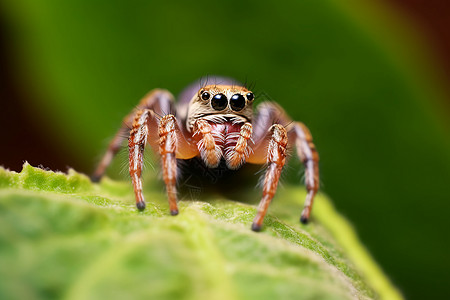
[250, 96]
[205, 95]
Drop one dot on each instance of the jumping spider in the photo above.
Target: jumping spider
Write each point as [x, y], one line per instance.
[215, 123]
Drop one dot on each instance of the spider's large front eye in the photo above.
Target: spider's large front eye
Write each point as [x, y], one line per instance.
[237, 102]
[205, 96]
[219, 102]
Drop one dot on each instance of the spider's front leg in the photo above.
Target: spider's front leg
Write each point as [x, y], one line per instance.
[172, 144]
[276, 158]
[136, 146]
[162, 133]
[306, 151]
[167, 150]
[270, 113]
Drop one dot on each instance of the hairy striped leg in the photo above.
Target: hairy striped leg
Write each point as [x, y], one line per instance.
[276, 158]
[307, 153]
[236, 156]
[270, 113]
[210, 152]
[170, 139]
[167, 150]
[136, 146]
[160, 101]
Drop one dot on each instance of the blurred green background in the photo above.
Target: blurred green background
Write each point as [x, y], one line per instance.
[356, 73]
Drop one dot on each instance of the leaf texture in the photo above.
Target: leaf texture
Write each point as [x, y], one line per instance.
[63, 237]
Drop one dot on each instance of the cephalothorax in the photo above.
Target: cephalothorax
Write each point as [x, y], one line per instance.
[216, 122]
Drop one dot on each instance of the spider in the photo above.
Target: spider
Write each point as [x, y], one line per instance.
[214, 123]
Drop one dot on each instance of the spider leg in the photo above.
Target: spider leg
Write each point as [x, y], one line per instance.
[276, 158]
[160, 101]
[136, 146]
[114, 146]
[151, 122]
[167, 150]
[170, 138]
[270, 113]
[308, 155]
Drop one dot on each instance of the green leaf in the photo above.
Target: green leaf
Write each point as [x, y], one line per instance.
[63, 237]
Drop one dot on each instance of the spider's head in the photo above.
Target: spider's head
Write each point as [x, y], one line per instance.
[226, 98]
[226, 101]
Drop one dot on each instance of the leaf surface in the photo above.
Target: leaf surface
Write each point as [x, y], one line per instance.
[63, 237]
